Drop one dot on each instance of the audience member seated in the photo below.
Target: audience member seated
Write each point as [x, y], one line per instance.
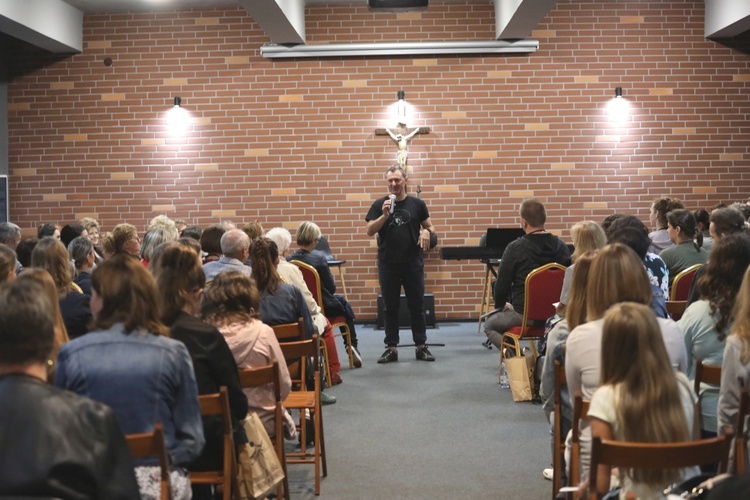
[108, 245]
[92, 227]
[587, 236]
[235, 249]
[180, 280]
[10, 235]
[211, 242]
[193, 232]
[82, 253]
[687, 250]
[706, 322]
[658, 274]
[575, 314]
[641, 398]
[71, 231]
[308, 235]
[44, 279]
[129, 363]
[703, 221]
[48, 229]
[231, 304]
[8, 263]
[723, 222]
[60, 444]
[167, 224]
[616, 275]
[23, 253]
[658, 218]
[535, 249]
[50, 255]
[154, 237]
[291, 274]
[735, 367]
[125, 240]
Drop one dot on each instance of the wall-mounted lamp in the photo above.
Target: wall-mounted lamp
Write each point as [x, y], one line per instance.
[401, 108]
[618, 91]
[177, 102]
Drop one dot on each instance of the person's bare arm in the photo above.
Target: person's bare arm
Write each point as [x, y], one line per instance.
[602, 430]
[376, 225]
[424, 234]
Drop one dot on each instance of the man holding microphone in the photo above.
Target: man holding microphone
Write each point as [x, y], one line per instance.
[403, 226]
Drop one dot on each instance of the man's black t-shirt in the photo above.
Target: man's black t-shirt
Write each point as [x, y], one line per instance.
[398, 239]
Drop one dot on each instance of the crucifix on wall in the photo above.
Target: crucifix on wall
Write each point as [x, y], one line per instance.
[401, 136]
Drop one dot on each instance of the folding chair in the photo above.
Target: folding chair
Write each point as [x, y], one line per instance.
[680, 287]
[541, 291]
[149, 444]
[257, 377]
[312, 279]
[740, 441]
[627, 455]
[307, 401]
[225, 479]
[580, 412]
[558, 439]
[676, 308]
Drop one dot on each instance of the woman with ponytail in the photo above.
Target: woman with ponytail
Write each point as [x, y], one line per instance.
[688, 240]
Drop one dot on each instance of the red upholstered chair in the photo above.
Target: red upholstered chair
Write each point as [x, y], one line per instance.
[680, 288]
[542, 290]
[312, 279]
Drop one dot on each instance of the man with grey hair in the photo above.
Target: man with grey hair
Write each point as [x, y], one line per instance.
[235, 249]
[10, 235]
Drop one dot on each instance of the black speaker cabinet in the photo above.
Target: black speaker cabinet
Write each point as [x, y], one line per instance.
[397, 4]
[403, 312]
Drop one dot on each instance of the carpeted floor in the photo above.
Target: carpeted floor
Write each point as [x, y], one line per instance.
[438, 430]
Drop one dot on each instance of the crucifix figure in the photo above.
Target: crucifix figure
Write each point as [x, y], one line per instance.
[403, 145]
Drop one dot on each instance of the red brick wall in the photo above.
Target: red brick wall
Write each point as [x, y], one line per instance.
[288, 140]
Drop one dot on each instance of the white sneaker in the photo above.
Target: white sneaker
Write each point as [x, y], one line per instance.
[548, 473]
[357, 358]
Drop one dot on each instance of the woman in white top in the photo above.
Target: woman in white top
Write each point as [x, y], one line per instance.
[641, 398]
[617, 275]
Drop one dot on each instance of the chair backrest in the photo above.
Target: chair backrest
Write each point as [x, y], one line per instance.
[628, 455]
[680, 288]
[740, 443]
[580, 412]
[542, 290]
[289, 331]
[709, 374]
[676, 308]
[559, 439]
[262, 376]
[299, 352]
[312, 280]
[218, 404]
[151, 444]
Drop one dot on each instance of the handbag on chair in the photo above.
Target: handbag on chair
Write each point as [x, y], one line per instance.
[259, 471]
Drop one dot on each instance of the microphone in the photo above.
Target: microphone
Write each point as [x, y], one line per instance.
[392, 197]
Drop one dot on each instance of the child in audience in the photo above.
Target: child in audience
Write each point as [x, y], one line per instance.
[641, 398]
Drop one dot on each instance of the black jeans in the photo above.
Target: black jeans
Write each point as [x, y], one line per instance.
[411, 276]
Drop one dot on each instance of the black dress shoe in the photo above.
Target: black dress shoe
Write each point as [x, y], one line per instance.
[423, 354]
[389, 356]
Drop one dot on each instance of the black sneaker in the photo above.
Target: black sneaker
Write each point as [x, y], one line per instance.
[423, 354]
[487, 344]
[389, 356]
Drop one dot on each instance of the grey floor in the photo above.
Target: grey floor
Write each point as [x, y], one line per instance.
[429, 430]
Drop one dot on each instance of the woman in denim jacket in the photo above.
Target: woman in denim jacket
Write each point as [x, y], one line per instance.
[128, 363]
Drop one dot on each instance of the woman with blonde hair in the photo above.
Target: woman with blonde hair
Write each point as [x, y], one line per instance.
[231, 304]
[616, 275]
[129, 363]
[735, 367]
[50, 254]
[641, 398]
[588, 236]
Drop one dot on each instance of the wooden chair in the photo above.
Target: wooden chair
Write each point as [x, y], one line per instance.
[740, 441]
[305, 401]
[541, 291]
[256, 377]
[628, 455]
[149, 444]
[558, 439]
[312, 279]
[580, 412]
[676, 308]
[708, 374]
[680, 287]
[225, 479]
